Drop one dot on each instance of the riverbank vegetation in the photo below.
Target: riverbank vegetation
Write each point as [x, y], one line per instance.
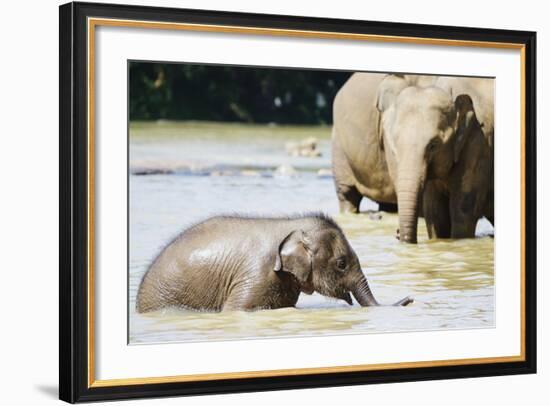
[175, 91]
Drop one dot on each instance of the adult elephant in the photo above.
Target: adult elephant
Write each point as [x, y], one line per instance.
[243, 263]
[423, 142]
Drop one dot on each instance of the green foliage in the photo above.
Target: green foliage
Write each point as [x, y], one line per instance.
[230, 93]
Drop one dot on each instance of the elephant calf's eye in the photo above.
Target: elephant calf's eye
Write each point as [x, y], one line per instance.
[341, 263]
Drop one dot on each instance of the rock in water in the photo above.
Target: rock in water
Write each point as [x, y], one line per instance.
[375, 216]
[152, 171]
[250, 172]
[324, 173]
[286, 171]
[305, 148]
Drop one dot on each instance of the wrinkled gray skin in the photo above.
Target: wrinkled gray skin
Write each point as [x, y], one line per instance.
[238, 263]
[423, 142]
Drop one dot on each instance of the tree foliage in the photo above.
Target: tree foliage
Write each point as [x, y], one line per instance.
[231, 93]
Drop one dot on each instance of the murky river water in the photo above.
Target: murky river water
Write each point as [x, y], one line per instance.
[184, 172]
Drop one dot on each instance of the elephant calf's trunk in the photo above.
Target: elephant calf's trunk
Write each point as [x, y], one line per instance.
[365, 297]
[404, 302]
[361, 290]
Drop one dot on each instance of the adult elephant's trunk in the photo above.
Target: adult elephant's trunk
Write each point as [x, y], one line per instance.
[408, 194]
[362, 293]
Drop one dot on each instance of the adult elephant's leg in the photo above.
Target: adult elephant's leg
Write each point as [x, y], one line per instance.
[349, 197]
[469, 190]
[466, 210]
[435, 205]
[387, 207]
[489, 209]
[470, 186]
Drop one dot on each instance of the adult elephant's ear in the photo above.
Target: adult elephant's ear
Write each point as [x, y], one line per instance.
[387, 92]
[293, 255]
[465, 122]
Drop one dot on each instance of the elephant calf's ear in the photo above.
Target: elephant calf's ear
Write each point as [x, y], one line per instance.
[465, 120]
[293, 256]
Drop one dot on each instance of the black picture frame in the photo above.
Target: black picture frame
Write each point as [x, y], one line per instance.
[74, 199]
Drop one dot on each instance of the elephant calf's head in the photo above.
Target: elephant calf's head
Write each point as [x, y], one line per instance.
[322, 260]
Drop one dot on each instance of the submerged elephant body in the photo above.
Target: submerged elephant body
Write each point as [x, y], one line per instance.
[239, 263]
[423, 142]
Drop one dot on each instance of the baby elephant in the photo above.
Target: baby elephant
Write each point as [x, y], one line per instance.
[241, 263]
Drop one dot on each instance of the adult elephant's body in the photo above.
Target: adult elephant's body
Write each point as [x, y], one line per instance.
[423, 142]
[359, 164]
[239, 263]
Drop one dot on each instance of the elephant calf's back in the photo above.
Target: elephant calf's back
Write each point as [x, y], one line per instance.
[194, 271]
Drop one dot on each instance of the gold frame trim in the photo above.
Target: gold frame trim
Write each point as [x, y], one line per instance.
[94, 22]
